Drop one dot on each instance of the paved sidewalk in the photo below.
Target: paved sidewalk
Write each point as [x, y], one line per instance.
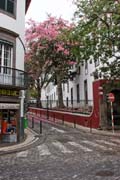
[30, 139]
[116, 133]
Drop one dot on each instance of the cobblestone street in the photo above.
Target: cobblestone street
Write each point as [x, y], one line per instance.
[64, 153]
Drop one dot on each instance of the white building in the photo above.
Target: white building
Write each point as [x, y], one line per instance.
[12, 75]
[76, 91]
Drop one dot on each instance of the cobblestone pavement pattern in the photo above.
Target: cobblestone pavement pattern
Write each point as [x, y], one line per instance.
[63, 153]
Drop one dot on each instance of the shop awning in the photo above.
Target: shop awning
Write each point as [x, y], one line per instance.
[9, 106]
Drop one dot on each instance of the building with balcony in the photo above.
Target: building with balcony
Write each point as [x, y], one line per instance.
[12, 76]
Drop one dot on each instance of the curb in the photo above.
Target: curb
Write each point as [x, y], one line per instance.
[30, 139]
[98, 131]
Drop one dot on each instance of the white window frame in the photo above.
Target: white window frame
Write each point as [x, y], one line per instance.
[6, 10]
[6, 55]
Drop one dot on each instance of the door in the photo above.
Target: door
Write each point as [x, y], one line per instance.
[116, 109]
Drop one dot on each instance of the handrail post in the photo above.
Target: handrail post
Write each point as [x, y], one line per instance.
[74, 123]
[90, 125]
[63, 119]
[40, 127]
[32, 122]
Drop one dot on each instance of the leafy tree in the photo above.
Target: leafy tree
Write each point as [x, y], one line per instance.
[49, 54]
[98, 30]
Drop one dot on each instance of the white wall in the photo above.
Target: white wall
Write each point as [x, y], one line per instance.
[18, 26]
[79, 79]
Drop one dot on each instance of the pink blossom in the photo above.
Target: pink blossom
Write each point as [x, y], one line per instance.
[60, 48]
[72, 62]
[39, 36]
[66, 52]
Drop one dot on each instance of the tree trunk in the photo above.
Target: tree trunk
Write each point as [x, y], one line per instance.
[39, 104]
[60, 93]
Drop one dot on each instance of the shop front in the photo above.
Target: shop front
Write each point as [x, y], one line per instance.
[9, 115]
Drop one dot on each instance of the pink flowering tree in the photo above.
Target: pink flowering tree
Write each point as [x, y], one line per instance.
[49, 53]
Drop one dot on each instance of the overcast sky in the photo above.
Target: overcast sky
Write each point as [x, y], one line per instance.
[39, 9]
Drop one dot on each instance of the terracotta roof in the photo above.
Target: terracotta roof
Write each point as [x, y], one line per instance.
[27, 4]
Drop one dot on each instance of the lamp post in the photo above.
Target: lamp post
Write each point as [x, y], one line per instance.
[47, 107]
[21, 117]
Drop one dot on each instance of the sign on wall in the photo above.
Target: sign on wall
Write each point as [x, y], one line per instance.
[9, 106]
[111, 97]
[9, 92]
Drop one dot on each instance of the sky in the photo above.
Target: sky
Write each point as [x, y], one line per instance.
[39, 9]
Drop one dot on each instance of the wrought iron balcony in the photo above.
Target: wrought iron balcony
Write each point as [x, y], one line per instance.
[13, 78]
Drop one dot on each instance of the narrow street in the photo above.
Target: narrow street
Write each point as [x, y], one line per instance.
[64, 153]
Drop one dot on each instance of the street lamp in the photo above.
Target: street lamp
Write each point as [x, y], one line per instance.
[47, 107]
[21, 117]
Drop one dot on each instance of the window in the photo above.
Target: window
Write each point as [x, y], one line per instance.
[8, 6]
[97, 62]
[79, 70]
[8, 122]
[0, 55]
[86, 91]
[78, 94]
[68, 86]
[6, 53]
[86, 67]
[63, 87]
[71, 95]
[72, 67]
[67, 100]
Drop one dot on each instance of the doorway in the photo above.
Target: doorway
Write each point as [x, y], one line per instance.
[116, 109]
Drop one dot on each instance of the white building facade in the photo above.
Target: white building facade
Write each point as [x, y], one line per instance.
[76, 92]
[12, 75]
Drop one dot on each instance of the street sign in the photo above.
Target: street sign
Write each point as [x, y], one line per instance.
[111, 97]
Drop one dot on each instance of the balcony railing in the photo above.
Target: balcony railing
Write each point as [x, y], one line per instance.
[10, 77]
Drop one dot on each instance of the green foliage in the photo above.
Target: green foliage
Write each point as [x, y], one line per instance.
[33, 93]
[111, 85]
[98, 30]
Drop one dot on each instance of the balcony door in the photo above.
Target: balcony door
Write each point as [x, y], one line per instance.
[6, 57]
[86, 91]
